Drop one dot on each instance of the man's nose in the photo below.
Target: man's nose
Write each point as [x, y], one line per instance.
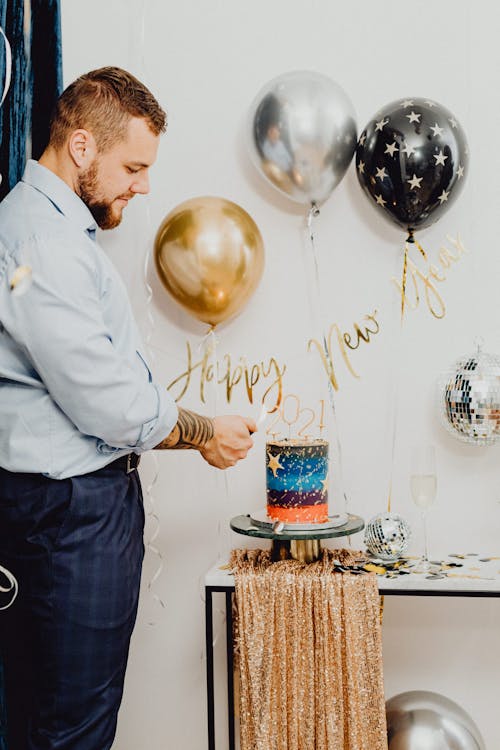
[141, 184]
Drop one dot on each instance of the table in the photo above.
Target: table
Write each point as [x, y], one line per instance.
[479, 576]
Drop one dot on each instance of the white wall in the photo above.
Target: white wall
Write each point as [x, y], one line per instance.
[205, 61]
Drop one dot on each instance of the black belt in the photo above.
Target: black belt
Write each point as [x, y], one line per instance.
[126, 463]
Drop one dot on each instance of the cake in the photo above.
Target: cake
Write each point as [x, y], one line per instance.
[297, 481]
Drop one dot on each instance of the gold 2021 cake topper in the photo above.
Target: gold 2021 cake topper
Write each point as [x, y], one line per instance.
[292, 414]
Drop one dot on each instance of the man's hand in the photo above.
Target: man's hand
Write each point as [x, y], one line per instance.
[222, 441]
[231, 441]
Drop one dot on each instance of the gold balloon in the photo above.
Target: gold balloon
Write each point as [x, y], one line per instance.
[209, 255]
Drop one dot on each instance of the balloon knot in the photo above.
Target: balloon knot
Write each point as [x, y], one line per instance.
[410, 237]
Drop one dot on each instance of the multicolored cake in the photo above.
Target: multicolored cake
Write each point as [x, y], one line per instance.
[297, 481]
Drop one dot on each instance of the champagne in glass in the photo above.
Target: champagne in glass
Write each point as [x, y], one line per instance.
[423, 486]
[423, 489]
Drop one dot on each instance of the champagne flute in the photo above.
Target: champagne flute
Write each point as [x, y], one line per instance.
[423, 486]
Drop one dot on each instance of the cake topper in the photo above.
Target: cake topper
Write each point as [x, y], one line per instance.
[302, 421]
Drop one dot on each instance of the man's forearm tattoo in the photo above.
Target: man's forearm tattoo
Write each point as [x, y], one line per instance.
[191, 431]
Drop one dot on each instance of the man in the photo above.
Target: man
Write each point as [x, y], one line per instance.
[77, 408]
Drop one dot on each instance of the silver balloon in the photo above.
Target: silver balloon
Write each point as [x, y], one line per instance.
[421, 720]
[469, 399]
[303, 135]
[387, 536]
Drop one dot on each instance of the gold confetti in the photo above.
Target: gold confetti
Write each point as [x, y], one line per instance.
[372, 568]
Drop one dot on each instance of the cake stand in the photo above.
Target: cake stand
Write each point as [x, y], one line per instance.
[300, 542]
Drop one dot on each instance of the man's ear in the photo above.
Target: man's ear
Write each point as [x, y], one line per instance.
[82, 148]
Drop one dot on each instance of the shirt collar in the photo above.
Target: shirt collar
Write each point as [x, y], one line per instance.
[61, 195]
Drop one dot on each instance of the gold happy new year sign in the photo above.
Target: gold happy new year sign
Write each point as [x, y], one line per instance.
[262, 382]
[427, 278]
[231, 374]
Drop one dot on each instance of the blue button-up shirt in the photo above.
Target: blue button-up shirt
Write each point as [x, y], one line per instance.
[75, 389]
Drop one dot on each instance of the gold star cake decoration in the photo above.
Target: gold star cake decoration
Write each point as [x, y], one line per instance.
[274, 463]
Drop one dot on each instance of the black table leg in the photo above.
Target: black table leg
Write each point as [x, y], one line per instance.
[230, 667]
[209, 636]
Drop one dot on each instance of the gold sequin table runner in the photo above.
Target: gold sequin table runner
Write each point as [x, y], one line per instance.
[309, 650]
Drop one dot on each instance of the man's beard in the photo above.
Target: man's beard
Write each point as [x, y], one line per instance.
[101, 210]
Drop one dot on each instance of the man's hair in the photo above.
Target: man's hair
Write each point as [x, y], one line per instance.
[102, 102]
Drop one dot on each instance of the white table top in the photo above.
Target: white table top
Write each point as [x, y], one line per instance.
[477, 576]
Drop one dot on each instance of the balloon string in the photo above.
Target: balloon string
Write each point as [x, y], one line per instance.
[403, 282]
[8, 67]
[410, 239]
[312, 214]
[479, 344]
[393, 446]
[153, 517]
[154, 525]
[152, 514]
[395, 411]
[211, 340]
[208, 345]
[13, 587]
[395, 421]
[143, 35]
[421, 249]
[8, 71]
[149, 296]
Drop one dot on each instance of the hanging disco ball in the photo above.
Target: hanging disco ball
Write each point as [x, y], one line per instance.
[469, 399]
[387, 536]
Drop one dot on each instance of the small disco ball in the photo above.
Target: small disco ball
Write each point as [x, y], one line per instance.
[387, 536]
[421, 720]
[469, 399]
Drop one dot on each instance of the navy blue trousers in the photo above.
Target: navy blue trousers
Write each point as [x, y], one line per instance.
[76, 548]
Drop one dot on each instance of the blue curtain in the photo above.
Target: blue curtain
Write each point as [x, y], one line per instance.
[3, 723]
[33, 28]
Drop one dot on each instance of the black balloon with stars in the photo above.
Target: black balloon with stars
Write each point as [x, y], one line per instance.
[412, 160]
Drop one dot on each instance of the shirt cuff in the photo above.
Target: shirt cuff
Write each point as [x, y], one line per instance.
[161, 425]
